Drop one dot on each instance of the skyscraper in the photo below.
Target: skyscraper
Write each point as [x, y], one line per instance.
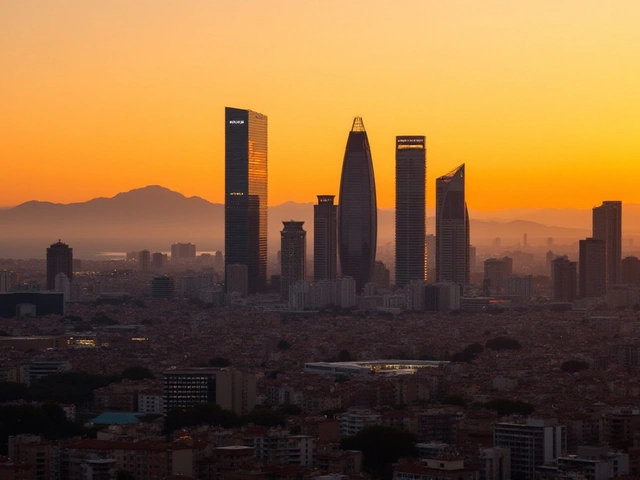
[325, 238]
[358, 217]
[245, 207]
[452, 229]
[293, 246]
[593, 268]
[59, 260]
[411, 172]
[607, 226]
[564, 277]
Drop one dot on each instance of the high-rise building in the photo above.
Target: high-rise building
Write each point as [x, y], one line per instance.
[325, 238]
[564, 278]
[163, 287]
[431, 257]
[358, 218]
[183, 251]
[630, 271]
[144, 260]
[607, 226]
[293, 245]
[593, 268]
[495, 274]
[411, 174]
[59, 259]
[237, 279]
[159, 261]
[532, 444]
[245, 205]
[452, 229]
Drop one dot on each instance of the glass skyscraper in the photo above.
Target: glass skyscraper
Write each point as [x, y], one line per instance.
[245, 207]
[411, 171]
[358, 217]
[325, 238]
[452, 229]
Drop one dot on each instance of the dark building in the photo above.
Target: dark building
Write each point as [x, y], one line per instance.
[144, 261]
[358, 218]
[325, 238]
[564, 275]
[159, 260]
[245, 205]
[593, 268]
[293, 249]
[183, 251]
[630, 271]
[15, 304]
[163, 287]
[607, 226]
[411, 174]
[452, 229]
[59, 260]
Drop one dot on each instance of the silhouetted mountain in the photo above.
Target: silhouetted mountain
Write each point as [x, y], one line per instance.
[154, 217]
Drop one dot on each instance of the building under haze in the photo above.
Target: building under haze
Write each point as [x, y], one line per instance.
[245, 205]
[325, 238]
[358, 219]
[630, 271]
[293, 248]
[452, 229]
[592, 275]
[411, 173]
[59, 260]
[144, 260]
[564, 279]
[183, 251]
[607, 226]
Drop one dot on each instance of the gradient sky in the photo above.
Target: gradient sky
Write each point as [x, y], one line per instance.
[541, 99]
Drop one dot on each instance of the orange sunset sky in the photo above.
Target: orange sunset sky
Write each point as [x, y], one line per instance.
[541, 99]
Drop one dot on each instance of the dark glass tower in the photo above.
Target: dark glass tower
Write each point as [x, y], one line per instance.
[293, 248]
[325, 238]
[59, 260]
[607, 226]
[245, 207]
[452, 229]
[358, 217]
[411, 171]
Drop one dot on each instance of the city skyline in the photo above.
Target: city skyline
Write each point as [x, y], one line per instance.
[524, 90]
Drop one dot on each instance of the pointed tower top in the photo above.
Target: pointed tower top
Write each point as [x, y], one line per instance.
[358, 126]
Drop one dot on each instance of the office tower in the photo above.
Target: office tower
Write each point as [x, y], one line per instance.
[237, 279]
[607, 226]
[230, 389]
[325, 238]
[592, 268]
[564, 278]
[495, 274]
[431, 257]
[245, 204]
[630, 271]
[63, 285]
[293, 245]
[8, 280]
[159, 260]
[358, 218]
[183, 251]
[532, 444]
[163, 287]
[144, 261]
[59, 259]
[452, 229]
[381, 275]
[520, 287]
[411, 174]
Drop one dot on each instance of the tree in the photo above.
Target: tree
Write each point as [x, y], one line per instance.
[284, 345]
[200, 414]
[381, 447]
[264, 416]
[503, 343]
[289, 409]
[344, 356]
[219, 362]
[137, 373]
[573, 366]
[506, 406]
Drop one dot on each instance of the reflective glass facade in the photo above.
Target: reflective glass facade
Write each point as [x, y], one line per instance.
[358, 217]
[411, 171]
[452, 229]
[245, 218]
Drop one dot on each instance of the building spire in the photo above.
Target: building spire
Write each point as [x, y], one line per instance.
[358, 126]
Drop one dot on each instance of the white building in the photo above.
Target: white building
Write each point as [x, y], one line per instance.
[354, 420]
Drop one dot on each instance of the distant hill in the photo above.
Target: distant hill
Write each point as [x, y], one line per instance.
[154, 217]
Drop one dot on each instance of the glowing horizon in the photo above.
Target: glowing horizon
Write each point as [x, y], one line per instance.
[538, 100]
